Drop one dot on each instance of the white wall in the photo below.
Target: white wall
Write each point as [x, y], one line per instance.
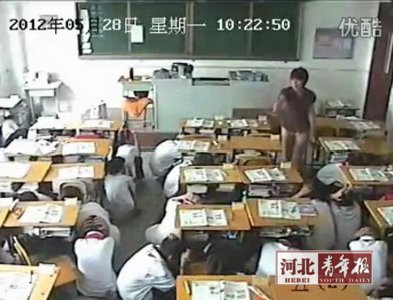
[90, 80]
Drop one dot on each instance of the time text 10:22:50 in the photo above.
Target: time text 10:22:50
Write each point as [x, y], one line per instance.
[254, 24]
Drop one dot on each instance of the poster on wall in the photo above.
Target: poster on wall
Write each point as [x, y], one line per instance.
[330, 44]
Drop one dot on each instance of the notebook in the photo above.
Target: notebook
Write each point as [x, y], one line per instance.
[220, 290]
[42, 214]
[202, 217]
[387, 214]
[16, 285]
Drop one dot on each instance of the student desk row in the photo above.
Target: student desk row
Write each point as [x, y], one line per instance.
[12, 219]
[376, 219]
[47, 172]
[346, 172]
[272, 290]
[102, 149]
[342, 126]
[244, 216]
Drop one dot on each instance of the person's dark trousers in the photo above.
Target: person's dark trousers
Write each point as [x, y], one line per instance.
[160, 295]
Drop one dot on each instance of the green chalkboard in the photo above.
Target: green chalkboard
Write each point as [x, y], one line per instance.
[278, 39]
[107, 36]
[214, 39]
[162, 27]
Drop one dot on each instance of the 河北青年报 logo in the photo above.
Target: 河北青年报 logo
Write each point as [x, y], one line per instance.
[323, 267]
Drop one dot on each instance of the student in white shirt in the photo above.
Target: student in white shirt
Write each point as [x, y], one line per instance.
[155, 234]
[94, 254]
[129, 153]
[366, 241]
[150, 273]
[163, 158]
[8, 127]
[119, 189]
[172, 181]
[267, 259]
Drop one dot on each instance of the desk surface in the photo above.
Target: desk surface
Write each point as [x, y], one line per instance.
[102, 146]
[254, 143]
[70, 215]
[99, 170]
[230, 175]
[224, 124]
[285, 292]
[115, 126]
[36, 173]
[236, 216]
[257, 221]
[43, 285]
[348, 177]
[292, 175]
[372, 207]
[3, 215]
[181, 282]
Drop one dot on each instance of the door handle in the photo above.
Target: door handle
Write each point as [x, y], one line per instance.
[388, 57]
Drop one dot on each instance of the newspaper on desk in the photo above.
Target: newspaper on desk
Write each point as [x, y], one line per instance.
[194, 123]
[197, 146]
[342, 145]
[104, 124]
[31, 148]
[16, 285]
[14, 169]
[239, 123]
[220, 290]
[78, 148]
[368, 174]
[202, 217]
[365, 125]
[49, 213]
[76, 172]
[203, 175]
[265, 175]
[279, 209]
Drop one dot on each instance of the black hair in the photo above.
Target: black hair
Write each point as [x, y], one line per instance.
[300, 74]
[203, 159]
[27, 196]
[349, 198]
[71, 192]
[115, 165]
[95, 223]
[172, 246]
[322, 191]
[355, 159]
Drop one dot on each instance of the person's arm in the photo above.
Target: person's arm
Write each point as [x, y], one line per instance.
[311, 119]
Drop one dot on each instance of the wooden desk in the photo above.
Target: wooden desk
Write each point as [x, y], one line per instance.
[70, 215]
[3, 215]
[292, 175]
[99, 170]
[340, 125]
[376, 219]
[285, 292]
[102, 146]
[231, 175]
[36, 173]
[254, 143]
[236, 216]
[225, 125]
[257, 221]
[43, 285]
[351, 181]
[181, 281]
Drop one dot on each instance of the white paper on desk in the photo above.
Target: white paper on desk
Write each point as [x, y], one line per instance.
[203, 290]
[193, 218]
[16, 285]
[42, 214]
[78, 148]
[216, 217]
[46, 269]
[70, 201]
[14, 169]
[196, 189]
[86, 172]
[97, 124]
[6, 202]
[68, 173]
[137, 34]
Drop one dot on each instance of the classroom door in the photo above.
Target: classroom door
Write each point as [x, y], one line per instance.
[381, 71]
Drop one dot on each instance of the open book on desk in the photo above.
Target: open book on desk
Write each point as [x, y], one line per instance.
[387, 214]
[76, 172]
[14, 169]
[32, 148]
[202, 217]
[365, 125]
[49, 213]
[220, 290]
[344, 145]
[370, 174]
[265, 175]
[203, 175]
[78, 148]
[198, 146]
[16, 285]
[279, 209]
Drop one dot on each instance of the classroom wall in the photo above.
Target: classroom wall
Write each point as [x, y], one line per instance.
[87, 81]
